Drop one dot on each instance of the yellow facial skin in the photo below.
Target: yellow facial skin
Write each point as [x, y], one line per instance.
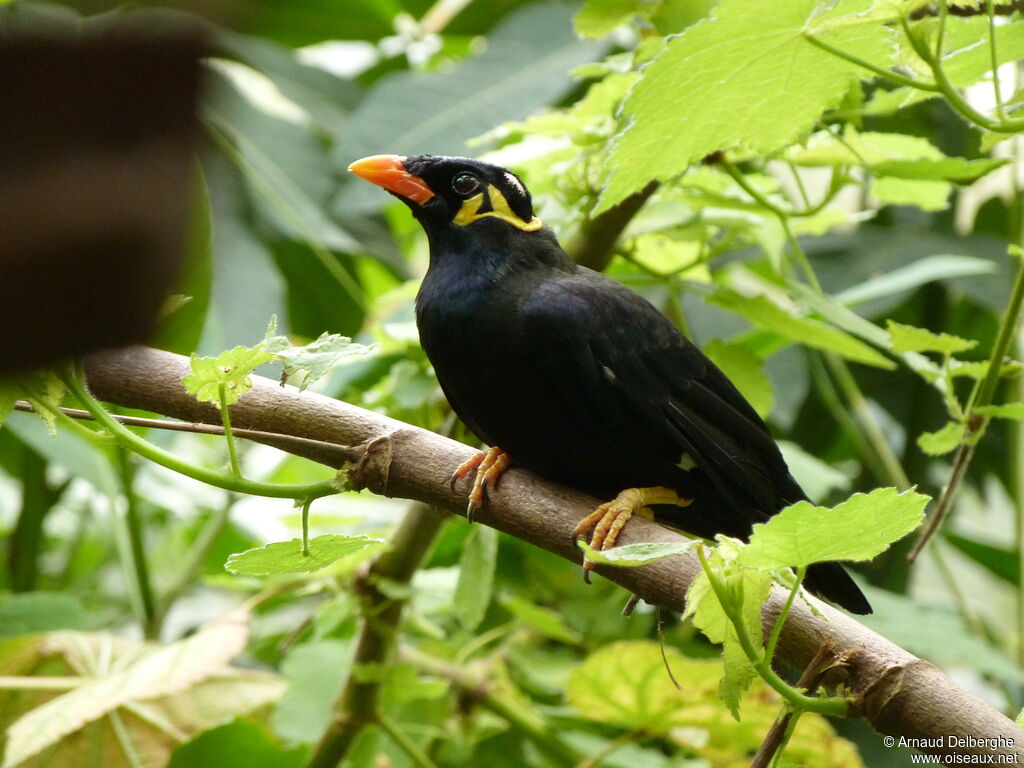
[500, 209]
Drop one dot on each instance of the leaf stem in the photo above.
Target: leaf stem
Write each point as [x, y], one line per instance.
[403, 742]
[225, 418]
[773, 639]
[952, 93]
[834, 706]
[305, 527]
[982, 395]
[167, 459]
[888, 74]
[137, 549]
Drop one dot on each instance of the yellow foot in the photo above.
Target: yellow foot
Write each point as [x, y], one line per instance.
[489, 466]
[604, 523]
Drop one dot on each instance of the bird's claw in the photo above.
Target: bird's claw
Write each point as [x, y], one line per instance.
[489, 466]
[603, 525]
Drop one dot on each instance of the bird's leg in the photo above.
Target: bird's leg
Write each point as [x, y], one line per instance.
[604, 523]
[489, 466]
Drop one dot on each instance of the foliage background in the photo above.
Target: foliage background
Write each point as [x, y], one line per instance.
[296, 91]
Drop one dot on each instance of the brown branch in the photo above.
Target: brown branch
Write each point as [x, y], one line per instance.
[898, 693]
[356, 705]
[594, 244]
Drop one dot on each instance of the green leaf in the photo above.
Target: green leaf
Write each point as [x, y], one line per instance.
[540, 619]
[476, 576]
[599, 17]
[626, 684]
[31, 612]
[315, 672]
[739, 79]
[860, 528]
[238, 744]
[763, 313]
[632, 555]
[230, 369]
[305, 364]
[1013, 411]
[746, 371]
[44, 387]
[958, 170]
[287, 557]
[1002, 562]
[921, 272]
[524, 67]
[907, 338]
[926, 195]
[943, 440]
[9, 394]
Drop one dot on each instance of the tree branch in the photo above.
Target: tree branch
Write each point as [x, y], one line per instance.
[898, 693]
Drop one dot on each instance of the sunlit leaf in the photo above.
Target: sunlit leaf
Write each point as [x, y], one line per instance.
[762, 312]
[907, 338]
[641, 553]
[230, 370]
[942, 440]
[860, 528]
[287, 556]
[778, 85]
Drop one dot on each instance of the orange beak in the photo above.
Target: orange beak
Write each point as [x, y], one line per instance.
[387, 171]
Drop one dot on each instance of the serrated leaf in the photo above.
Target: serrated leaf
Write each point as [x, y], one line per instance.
[942, 440]
[979, 368]
[162, 671]
[1013, 411]
[779, 84]
[907, 338]
[230, 369]
[287, 557]
[304, 364]
[626, 684]
[476, 576]
[763, 313]
[43, 388]
[860, 528]
[540, 619]
[632, 555]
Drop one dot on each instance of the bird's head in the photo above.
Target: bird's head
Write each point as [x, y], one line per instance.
[443, 191]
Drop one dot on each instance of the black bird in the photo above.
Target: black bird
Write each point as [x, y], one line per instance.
[575, 376]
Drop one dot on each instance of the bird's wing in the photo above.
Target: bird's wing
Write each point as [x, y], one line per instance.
[616, 360]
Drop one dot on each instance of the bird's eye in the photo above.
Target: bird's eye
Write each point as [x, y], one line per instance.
[466, 184]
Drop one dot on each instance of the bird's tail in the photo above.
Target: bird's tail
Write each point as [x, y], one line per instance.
[832, 582]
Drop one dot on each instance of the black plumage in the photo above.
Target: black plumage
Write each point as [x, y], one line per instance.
[575, 376]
